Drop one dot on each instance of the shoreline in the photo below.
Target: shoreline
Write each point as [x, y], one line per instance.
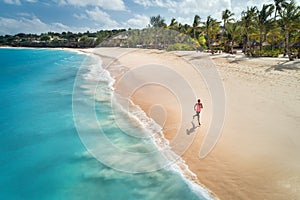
[180, 166]
[235, 169]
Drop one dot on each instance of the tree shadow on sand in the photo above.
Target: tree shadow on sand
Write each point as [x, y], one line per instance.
[288, 65]
[197, 57]
[192, 129]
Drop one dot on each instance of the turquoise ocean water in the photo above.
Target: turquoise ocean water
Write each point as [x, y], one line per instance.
[42, 156]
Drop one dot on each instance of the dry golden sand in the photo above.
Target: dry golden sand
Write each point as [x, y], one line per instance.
[257, 155]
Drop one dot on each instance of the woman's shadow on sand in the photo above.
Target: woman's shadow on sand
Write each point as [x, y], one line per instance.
[192, 129]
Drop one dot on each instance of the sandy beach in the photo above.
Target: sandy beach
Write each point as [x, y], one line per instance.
[256, 155]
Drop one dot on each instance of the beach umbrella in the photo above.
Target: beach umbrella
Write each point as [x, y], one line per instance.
[266, 44]
[215, 44]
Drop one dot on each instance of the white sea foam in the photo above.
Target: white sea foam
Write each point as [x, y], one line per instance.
[153, 130]
[97, 73]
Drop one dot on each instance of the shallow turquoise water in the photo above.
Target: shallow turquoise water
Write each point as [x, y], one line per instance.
[42, 156]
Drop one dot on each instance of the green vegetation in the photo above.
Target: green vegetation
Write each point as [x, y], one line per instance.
[64, 39]
[267, 31]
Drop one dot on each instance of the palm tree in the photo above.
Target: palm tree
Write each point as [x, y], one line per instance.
[212, 27]
[233, 33]
[289, 22]
[226, 17]
[196, 23]
[208, 24]
[174, 25]
[264, 22]
[185, 29]
[247, 21]
[173, 29]
[157, 21]
[279, 4]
